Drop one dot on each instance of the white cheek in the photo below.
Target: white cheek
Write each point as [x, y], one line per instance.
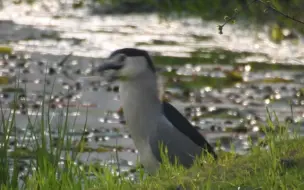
[134, 66]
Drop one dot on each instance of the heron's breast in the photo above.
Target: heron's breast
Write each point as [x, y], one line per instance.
[147, 158]
[141, 111]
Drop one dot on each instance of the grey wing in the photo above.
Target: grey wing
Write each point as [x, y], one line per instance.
[178, 145]
[184, 126]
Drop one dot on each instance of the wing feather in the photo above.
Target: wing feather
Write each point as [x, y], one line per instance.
[184, 126]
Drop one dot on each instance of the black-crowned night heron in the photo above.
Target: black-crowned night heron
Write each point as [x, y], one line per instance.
[152, 122]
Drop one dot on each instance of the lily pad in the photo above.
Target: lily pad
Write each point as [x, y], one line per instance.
[256, 66]
[170, 60]
[188, 82]
[276, 80]
[5, 50]
[22, 153]
[234, 76]
[276, 34]
[4, 80]
[12, 89]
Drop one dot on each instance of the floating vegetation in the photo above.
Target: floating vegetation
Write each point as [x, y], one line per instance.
[5, 50]
[4, 80]
[12, 89]
[22, 153]
[277, 80]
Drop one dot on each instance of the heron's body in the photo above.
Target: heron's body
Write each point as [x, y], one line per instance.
[149, 126]
[139, 123]
[152, 122]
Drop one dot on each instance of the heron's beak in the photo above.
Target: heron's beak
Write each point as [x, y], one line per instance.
[109, 65]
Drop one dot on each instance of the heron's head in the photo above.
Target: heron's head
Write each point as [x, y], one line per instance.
[127, 63]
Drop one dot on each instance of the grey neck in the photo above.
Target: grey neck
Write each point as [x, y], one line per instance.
[141, 105]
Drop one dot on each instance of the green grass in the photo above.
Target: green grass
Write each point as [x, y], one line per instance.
[260, 169]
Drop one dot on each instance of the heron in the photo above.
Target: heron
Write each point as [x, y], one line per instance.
[151, 121]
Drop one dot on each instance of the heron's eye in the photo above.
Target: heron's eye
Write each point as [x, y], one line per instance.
[122, 58]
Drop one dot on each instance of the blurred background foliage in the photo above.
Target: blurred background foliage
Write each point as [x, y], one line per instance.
[255, 11]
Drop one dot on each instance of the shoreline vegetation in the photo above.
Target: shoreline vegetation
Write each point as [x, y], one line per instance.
[278, 14]
[284, 18]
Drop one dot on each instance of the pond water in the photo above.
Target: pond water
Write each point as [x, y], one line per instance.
[221, 83]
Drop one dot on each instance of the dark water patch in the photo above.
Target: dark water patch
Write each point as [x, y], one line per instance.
[201, 37]
[124, 7]
[13, 32]
[158, 42]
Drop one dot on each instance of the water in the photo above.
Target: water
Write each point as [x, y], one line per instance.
[223, 89]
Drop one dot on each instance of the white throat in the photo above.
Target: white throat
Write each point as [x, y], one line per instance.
[141, 106]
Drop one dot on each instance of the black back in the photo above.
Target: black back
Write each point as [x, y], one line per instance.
[133, 52]
[184, 126]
